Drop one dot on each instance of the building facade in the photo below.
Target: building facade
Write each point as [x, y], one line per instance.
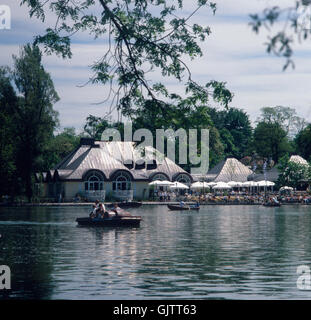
[108, 170]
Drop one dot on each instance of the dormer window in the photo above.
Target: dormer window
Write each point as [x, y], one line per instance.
[129, 164]
[140, 164]
[152, 165]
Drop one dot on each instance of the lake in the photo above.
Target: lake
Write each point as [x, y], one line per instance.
[220, 252]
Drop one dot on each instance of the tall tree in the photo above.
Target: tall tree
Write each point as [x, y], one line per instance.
[303, 142]
[143, 36]
[34, 113]
[8, 99]
[286, 117]
[235, 130]
[187, 115]
[95, 126]
[270, 140]
[57, 148]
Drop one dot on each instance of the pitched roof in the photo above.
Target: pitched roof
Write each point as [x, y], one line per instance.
[108, 157]
[271, 175]
[229, 170]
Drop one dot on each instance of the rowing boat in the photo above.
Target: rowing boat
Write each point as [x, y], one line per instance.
[272, 204]
[177, 208]
[118, 221]
[129, 204]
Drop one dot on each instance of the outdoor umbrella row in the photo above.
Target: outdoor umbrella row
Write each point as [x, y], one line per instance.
[213, 185]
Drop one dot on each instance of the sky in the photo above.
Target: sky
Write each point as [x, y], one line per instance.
[233, 53]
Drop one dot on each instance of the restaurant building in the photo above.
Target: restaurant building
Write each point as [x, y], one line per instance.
[108, 170]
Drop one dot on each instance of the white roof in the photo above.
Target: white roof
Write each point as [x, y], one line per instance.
[229, 170]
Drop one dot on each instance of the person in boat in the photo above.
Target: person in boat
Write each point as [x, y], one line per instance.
[116, 209]
[101, 210]
[95, 208]
[197, 204]
[275, 200]
[181, 203]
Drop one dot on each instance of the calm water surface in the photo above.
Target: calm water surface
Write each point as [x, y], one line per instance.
[234, 252]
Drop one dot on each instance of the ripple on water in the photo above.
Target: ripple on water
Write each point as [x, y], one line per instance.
[220, 252]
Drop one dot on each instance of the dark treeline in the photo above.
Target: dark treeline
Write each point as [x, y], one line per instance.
[27, 120]
[29, 142]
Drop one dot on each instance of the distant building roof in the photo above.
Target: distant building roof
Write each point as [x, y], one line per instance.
[109, 157]
[229, 170]
[271, 175]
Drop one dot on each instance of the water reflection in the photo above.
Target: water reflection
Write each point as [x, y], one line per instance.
[219, 252]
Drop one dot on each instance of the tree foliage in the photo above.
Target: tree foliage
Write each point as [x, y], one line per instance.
[144, 38]
[29, 119]
[292, 24]
[57, 148]
[8, 128]
[303, 142]
[293, 175]
[235, 130]
[270, 140]
[95, 126]
[286, 117]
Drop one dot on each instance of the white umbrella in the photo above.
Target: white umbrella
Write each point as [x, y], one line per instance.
[178, 185]
[286, 188]
[221, 185]
[235, 184]
[154, 183]
[250, 184]
[199, 185]
[211, 184]
[160, 183]
[270, 183]
[264, 183]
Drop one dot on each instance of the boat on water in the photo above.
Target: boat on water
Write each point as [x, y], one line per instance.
[115, 221]
[271, 204]
[186, 207]
[129, 204]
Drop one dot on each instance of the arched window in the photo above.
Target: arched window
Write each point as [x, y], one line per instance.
[159, 176]
[184, 178]
[122, 181]
[94, 182]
